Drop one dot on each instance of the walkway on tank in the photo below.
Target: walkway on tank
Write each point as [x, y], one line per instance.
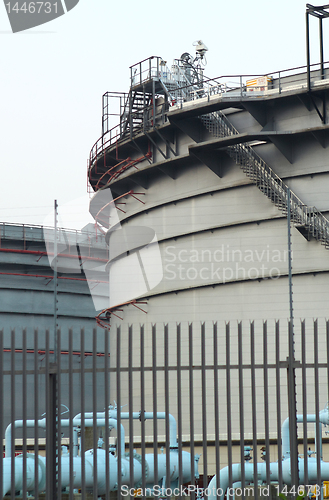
[186, 102]
[196, 110]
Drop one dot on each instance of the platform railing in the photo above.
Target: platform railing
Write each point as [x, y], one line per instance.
[225, 86]
[30, 232]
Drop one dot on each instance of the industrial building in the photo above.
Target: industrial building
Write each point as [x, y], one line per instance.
[27, 284]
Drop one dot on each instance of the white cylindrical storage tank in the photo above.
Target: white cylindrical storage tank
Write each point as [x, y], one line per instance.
[223, 243]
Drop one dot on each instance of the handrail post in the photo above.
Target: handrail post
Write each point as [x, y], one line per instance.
[321, 47]
[308, 52]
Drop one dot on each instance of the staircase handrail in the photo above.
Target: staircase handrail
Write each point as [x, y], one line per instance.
[302, 214]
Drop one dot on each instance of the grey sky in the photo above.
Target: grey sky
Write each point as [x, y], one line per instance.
[53, 77]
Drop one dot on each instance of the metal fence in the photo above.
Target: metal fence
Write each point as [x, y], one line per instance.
[224, 86]
[172, 406]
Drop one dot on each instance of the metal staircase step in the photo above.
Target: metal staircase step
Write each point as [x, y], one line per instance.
[311, 220]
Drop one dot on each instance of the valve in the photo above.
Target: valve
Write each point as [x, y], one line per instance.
[247, 455]
[263, 453]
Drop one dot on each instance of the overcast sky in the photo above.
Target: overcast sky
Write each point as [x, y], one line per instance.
[53, 77]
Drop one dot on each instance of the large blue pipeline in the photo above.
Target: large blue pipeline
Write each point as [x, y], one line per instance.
[215, 488]
[100, 458]
[219, 486]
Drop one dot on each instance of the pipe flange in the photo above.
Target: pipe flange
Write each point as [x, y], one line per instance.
[138, 457]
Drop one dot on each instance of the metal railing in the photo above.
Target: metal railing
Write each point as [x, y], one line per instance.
[29, 232]
[215, 389]
[148, 69]
[120, 99]
[181, 91]
[233, 86]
